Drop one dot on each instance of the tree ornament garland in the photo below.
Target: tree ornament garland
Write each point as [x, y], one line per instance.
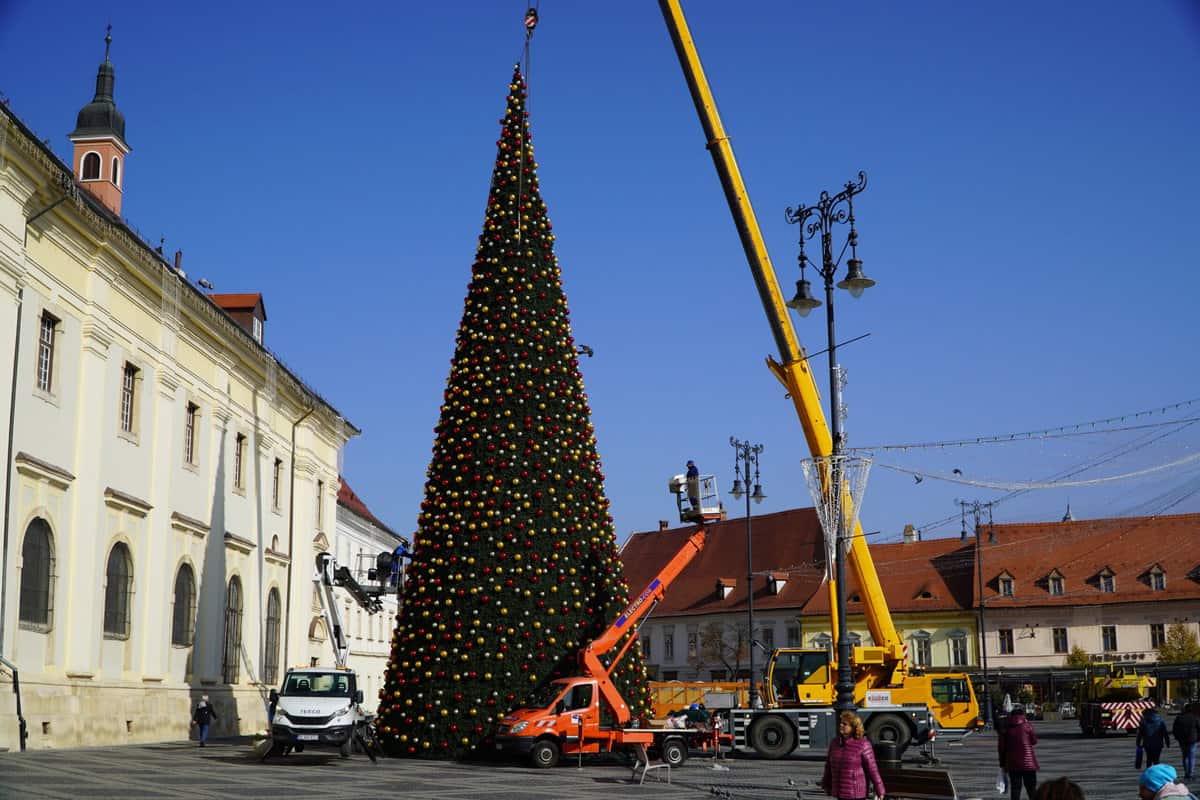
[515, 565]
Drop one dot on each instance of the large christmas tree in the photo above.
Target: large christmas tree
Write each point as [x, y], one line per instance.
[515, 564]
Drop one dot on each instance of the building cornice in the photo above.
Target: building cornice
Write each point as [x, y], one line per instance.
[235, 542]
[114, 498]
[186, 524]
[35, 468]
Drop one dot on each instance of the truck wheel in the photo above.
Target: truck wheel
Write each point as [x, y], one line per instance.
[889, 728]
[544, 754]
[772, 736]
[674, 751]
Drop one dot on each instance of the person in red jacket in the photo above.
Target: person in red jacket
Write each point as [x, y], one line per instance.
[850, 761]
[1017, 758]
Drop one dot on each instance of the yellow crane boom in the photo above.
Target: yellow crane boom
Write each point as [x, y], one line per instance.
[793, 369]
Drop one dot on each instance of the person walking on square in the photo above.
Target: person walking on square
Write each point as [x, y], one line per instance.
[1152, 736]
[1159, 783]
[850, 762]
[1017, 758]
[1186, 731]
[202, 718]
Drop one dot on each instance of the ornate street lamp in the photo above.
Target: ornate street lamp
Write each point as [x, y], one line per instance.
[830, 211]
[745, 455]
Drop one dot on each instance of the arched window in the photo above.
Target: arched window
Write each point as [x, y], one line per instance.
[183, 618]
[91, 167]
[271, 656]
[37, 577]
[116, 171]
[233, 631]
[118, 589]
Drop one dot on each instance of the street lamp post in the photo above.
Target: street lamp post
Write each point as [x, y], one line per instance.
[746, 454]
[830, 211]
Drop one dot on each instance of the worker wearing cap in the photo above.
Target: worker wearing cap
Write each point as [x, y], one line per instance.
[693, 485]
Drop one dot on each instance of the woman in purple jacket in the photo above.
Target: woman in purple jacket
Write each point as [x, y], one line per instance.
[849, 761]
[1017, 758]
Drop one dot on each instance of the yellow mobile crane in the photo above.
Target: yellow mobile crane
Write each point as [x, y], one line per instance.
[882, 669]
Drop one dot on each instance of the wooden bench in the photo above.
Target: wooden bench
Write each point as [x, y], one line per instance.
[919, 783]
[641, 763]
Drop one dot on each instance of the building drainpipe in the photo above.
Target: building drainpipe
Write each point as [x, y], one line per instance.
[22, 729]
[287, 613]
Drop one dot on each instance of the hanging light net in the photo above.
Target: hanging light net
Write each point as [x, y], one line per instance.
[837, 510]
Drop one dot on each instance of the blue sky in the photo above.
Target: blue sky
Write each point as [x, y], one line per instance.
[1030, 218]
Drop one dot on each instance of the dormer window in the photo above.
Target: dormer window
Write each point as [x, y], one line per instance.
[91, 167]
[1157, 579]
[1005, 584]
[776, 582]
[725, 587]
[1107, 581]
[1054, 583]
[257, 330]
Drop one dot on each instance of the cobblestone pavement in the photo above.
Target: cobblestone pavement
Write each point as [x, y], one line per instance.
[228, 769]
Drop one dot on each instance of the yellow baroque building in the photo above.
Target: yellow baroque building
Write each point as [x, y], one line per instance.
[168, 481]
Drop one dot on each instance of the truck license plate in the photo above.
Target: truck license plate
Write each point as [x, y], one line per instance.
[499, 746]
[307, 737]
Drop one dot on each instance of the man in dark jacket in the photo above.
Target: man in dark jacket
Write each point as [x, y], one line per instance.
[1152, 736]
[202, 717]
[1017, 758]
[1187, 732]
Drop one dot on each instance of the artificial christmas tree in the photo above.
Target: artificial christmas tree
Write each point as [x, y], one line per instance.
[515, 563]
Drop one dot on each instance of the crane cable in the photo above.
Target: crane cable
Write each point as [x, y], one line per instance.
[531, 21]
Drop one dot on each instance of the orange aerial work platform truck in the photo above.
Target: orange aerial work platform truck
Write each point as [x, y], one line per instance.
[586, 713]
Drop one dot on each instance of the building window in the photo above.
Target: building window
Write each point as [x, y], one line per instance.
[189, 433]
[793, 636]
[129, 377]
[233, 631]
[1060, 640]
[45, 357]
[958, 649]
[1006, 641]
[1056, 585]
[239, 458]
[1108, 635]
[646, 648]
[1158, 580]
[91, 167]
[693, 644]
[276, 477]
[922, 655]
[183, 616]
[118, 591]
[37, 577]
[1006, 587]
[668, 646]
[823, 641]
[116, 171]
[320, 509]
[1158, 635]
[257, 330]
[1108, 582]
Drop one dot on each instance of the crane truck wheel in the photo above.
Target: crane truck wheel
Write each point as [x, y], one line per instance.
[674, 751]
[544, 754]
[889, 728]
[772, 736]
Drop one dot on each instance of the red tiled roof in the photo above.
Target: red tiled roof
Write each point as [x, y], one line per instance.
[940, 568]
[240, 301]
[786, 541]
[1081, 549]
[350, 500]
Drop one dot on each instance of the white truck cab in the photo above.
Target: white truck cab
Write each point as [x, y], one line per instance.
[317, 707]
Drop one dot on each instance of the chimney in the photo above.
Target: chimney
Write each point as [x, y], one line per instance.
[910, 534]
[663, 525]
[178, 260]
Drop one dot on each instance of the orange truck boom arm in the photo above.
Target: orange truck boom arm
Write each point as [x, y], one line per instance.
[628, 621]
